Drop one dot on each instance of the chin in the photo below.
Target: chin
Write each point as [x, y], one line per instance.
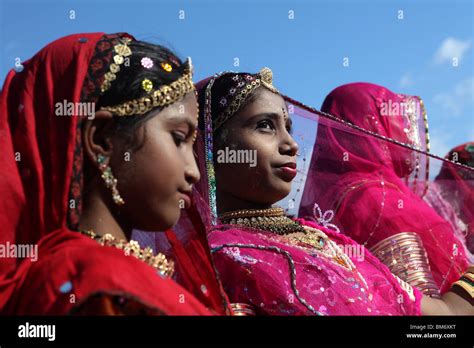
[172, 218]
[277, 194]
[165, 220]
[282, 189]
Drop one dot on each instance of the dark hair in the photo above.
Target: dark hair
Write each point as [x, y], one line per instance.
[127, 86]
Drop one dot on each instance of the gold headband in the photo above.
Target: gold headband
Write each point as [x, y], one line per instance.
[165, 95]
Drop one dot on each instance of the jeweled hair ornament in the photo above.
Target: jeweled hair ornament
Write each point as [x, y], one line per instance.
[164, 95]
[146, 62]
[263, 78]
[122, 51]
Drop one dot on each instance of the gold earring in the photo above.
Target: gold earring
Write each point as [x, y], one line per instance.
[109, 179]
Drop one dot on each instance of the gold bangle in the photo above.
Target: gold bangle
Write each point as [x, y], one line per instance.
[242, 309]
[465, 290]
[469, 275]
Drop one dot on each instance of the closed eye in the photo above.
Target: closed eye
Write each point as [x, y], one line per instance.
[178, 138]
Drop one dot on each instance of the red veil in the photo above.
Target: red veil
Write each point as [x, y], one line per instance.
[374, 186]
[41, 187]
[189, 239]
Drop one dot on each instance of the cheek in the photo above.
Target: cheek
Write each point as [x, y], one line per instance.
[266, 156]
[160, 161]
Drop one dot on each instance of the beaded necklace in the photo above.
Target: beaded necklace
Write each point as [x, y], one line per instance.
[275, 221]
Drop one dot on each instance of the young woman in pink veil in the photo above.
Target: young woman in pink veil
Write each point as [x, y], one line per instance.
[268, 263]
[375, 187]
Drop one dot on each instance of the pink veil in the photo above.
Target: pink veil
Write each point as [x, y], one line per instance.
[456, 186]
[371, 168]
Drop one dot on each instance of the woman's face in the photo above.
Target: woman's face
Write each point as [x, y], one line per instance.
[155, 181]
[262, 130]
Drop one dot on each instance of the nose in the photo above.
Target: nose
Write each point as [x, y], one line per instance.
[191, 171]
[288, 145]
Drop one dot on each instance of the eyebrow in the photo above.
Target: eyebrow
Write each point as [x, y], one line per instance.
[275, 116]
[175, 119]
[272, 115]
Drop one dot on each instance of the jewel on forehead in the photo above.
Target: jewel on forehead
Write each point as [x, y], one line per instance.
[146, 62]
[147, 85]
[167, 67]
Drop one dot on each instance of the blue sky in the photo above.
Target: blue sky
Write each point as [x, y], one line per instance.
[412, 55]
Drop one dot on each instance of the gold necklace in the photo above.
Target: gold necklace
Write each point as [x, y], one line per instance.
[274, 220]
[158, 261]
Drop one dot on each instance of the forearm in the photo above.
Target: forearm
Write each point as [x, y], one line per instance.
[458, 301]
[449, 304]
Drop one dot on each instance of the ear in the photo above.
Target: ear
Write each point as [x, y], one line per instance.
[96, 136]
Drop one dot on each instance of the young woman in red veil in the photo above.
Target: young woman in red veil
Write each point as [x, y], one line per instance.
[96, 132]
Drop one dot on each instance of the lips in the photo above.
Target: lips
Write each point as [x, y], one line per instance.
[291, 165]
[287, 171]
[186, 198]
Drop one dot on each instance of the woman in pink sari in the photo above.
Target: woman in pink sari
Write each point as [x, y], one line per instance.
[375, 187]
[268, 263]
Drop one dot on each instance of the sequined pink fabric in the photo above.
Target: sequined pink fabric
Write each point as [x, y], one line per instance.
[375, 187]
[278, 278]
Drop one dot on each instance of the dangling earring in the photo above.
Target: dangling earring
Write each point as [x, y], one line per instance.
[109, 179]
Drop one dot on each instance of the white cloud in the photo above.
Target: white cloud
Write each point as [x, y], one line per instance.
[455, 101]
[451, 48]
[406, 81]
